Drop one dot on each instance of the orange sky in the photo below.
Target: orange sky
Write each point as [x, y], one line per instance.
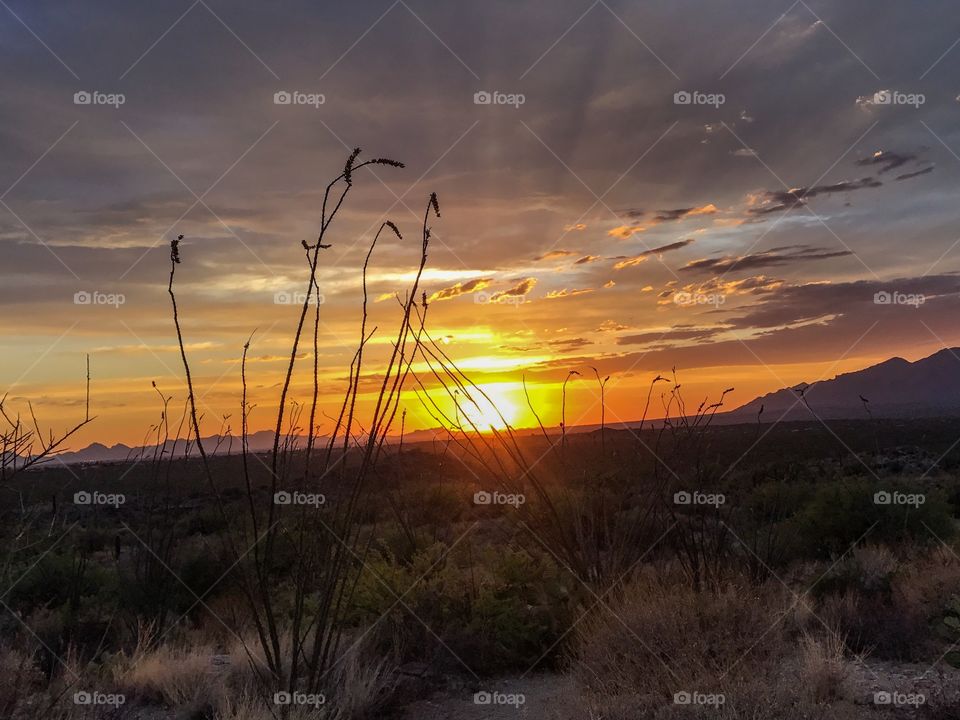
[622, 189]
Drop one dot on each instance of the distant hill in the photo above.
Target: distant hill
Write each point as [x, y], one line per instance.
[98, 452]
[895, 388]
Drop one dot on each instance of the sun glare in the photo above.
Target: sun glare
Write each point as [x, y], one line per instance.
[498, 405]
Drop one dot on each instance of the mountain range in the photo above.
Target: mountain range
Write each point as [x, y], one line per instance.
[895, 388]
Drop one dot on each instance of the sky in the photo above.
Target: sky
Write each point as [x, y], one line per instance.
[752, 193]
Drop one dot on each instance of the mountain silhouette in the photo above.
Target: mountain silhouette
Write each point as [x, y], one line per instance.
[895, 388]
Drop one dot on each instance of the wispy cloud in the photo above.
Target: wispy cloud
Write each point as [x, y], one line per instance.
[464, 288]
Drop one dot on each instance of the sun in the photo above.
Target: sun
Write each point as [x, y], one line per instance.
[490, 406]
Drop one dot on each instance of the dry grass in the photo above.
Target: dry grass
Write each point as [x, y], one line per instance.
[823, 668]
[741, 642]
[177, 676]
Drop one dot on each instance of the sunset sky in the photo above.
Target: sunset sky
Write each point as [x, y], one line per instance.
[590, 216]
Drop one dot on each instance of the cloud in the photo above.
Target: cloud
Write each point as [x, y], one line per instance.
[571, 343]
[575, 227]
[588, 259]
[815, 323]
[630, 261]
[744, 152]
[625, 232]
[459, 289]
[625, 262]
[915, 173]
[769, 258]
[521, 289]
[680, 333]
[555, 254]
[612, 326]
[681, 213]
[823, 300]
[887, 160]
[771, 201]
[553, 294]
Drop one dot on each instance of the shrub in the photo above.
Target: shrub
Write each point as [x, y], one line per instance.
[840, 513]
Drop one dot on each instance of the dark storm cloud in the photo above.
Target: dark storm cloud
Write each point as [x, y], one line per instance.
[886, 160]
[770, 258]
[801, 303]
[812, 323]
[772, 201]
[669, 247]
[915, 173]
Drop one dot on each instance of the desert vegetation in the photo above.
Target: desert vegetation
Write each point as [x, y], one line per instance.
[678, 568]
